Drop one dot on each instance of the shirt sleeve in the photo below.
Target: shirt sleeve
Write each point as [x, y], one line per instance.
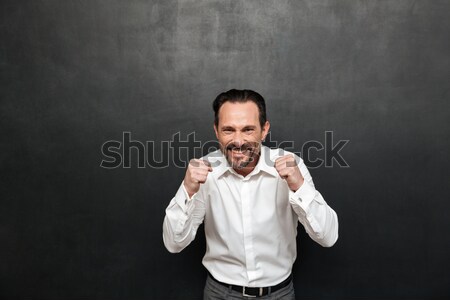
[183, 217]
[317, 217]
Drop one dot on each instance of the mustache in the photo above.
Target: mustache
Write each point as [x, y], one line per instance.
[243, 147]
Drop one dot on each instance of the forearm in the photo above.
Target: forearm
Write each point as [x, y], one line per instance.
[183, 217]
[318, 218]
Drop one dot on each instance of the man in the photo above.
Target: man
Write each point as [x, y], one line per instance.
[251, 199]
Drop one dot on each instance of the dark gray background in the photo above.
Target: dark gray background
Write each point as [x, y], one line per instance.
[75, 74]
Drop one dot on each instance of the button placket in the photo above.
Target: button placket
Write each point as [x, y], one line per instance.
[248, 230]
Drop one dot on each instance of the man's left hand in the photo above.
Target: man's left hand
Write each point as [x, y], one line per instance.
[287, 167]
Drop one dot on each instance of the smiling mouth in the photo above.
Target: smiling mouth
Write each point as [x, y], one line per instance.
[239, 151]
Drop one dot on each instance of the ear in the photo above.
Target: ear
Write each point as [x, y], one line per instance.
[215, 130]
[265, 130]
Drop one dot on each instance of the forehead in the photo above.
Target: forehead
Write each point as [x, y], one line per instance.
[238, 114]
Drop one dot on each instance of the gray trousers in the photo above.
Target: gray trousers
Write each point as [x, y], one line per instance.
[216, 291]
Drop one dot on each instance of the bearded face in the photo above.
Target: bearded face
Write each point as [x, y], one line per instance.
[240, 134]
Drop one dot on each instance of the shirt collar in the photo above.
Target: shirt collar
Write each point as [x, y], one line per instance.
[265, 163]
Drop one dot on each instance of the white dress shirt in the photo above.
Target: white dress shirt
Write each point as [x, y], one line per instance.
[250, 222]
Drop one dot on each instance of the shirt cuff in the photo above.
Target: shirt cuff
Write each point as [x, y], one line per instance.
[303, 196]
[183, 200]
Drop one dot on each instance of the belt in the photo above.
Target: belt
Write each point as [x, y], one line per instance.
[255, 291]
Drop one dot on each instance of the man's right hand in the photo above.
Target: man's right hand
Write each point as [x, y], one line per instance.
[196, 174]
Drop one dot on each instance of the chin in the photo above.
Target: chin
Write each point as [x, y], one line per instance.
[237, 164]
[240, 164]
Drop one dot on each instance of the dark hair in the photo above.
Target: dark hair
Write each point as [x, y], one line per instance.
[240, 96]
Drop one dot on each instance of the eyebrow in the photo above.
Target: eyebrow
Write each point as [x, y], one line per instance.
[227, 128]
[232, 128]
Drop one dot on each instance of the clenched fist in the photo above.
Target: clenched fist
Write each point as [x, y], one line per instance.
[196, 174]
[287, 167]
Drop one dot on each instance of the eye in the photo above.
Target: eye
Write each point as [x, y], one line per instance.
[249, 130]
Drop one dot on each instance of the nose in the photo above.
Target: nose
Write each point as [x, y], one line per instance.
[238, 139]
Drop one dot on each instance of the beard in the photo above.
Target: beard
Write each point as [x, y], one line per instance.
[241, 156]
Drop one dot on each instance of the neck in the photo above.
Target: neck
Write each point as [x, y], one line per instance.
[244, 171]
